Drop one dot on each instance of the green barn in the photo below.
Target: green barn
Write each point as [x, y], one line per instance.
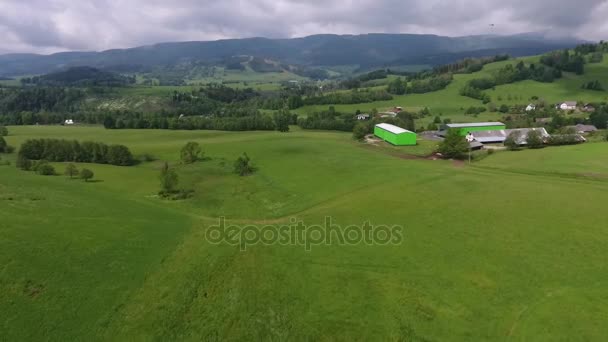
[395, 135]
[465, 128]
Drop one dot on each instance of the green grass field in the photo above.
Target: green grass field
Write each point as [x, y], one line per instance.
[490, 252]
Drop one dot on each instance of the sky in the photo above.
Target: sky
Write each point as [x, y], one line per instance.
[48, 26]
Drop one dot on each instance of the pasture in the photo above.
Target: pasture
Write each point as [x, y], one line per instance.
[489, 252]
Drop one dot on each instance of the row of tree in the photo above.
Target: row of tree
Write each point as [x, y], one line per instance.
[59, 150]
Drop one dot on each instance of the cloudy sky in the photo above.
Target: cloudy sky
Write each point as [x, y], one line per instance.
[46, 26]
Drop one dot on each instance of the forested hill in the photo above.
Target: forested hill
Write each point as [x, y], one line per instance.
[367, 50]
[79, 77]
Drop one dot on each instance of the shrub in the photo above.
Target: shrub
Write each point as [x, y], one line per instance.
[360, 131]
[3, 131]
[45, 169]
[168, 179]
[242, 165]
[190, 152]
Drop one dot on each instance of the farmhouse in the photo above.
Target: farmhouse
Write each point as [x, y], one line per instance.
[531, 107]
[568, 105]
[466, 128]
[68, 122]
[362, 116]
[395, 135]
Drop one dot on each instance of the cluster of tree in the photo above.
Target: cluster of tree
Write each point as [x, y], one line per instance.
[72, 171]
[587, 48]
[59, 150]
[36, 99]
[475, 110]
[419, 86]
[351, 97]
[255, 122]
[469, 65]
[508, 74]
[599, 118]
[169, 182]
[357, 82]
[565, 61]
[328, 120]
[191, 152]
[80, 77]
[593, 85]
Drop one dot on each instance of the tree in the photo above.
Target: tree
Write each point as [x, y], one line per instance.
[282, 118]
[86, 174]
[23, 163]
[242, 166]
[512, 141]
[168, 179]
[454, 146]
[360, 131]
[3, 131]
[119, 155]
[109, 123]
[71, 170]
[3, 144]
[190, 153]
[397, 86]
[534, 139]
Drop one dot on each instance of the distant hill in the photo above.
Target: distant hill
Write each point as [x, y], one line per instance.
[80, 76]
[369, 50]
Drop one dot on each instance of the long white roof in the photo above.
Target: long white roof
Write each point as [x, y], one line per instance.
[392, 128]
[475, 124]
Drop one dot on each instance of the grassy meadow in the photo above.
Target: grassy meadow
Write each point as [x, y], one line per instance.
[489, 252]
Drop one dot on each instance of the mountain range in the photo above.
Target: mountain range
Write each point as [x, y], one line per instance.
[366, 51]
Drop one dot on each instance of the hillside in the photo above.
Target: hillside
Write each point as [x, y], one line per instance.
[320, 50]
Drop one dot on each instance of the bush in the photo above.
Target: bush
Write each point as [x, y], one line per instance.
[45, 169]
[168, 179]
[86, 174]
[360, 131]
[3, 131]
[190, 152]
[242, 165]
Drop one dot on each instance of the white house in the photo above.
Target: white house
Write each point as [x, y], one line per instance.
[531, 107]
[568, 105]
[68, 122]
[362, 116]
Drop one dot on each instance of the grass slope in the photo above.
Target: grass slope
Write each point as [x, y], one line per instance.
[488, 254]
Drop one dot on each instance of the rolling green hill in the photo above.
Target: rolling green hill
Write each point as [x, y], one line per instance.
[511, 248]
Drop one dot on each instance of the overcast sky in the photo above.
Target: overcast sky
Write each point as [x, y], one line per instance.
[46, 26]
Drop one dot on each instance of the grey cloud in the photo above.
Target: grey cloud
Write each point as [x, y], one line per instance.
[42, 26]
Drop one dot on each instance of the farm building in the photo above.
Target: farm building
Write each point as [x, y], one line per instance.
[580, 128]
[466, 128]
[499, 136]
[395, 135]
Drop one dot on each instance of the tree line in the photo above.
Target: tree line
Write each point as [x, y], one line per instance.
[60, 150]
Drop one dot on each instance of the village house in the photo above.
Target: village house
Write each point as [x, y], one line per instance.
[568, 105]
[531, 107]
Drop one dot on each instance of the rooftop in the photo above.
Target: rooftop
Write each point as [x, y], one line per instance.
[475, 124]
[392, 128]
